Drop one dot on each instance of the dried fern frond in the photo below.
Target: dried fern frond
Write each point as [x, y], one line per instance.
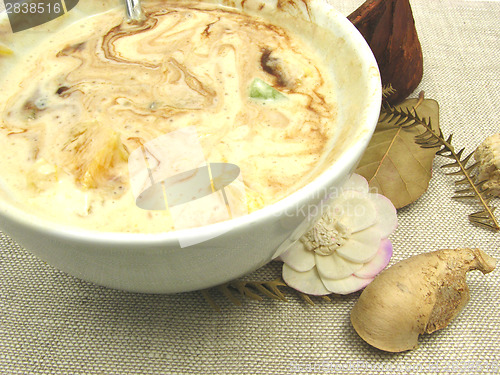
[251, 290]
[387, 91]
[208, 298]
[468, 187]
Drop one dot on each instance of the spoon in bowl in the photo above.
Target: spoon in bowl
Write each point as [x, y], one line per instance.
[134, 10]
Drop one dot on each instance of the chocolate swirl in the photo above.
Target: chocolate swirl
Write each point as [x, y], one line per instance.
[185, 65]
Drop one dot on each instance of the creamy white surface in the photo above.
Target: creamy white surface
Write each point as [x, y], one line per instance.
[121, 85]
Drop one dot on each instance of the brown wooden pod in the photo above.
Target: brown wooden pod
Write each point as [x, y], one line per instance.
[389, 28]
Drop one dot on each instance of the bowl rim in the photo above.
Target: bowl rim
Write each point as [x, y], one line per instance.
[349, 156]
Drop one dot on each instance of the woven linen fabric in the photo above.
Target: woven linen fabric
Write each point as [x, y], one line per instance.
[52, 323]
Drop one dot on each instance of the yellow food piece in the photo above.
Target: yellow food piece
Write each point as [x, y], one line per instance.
[255, 201]
[5, 51]
[42, 175]
[95, 151]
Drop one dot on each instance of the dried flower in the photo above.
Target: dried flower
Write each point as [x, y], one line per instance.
[347, 247]
[488, 157]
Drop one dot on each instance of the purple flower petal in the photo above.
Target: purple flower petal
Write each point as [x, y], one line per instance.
[348, 285]
[377, 264]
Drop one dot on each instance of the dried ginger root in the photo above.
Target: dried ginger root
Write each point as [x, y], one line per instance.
[421, 294]
[488, 156]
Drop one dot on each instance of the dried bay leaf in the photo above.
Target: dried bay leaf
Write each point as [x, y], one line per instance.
[394, 164]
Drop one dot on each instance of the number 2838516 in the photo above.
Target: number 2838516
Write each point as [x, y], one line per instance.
[33, 8]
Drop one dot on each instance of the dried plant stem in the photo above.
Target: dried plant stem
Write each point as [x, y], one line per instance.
[387, 91]
[432, 138]
[249, 289]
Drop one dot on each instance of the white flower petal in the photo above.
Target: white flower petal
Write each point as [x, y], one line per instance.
[307, 282]
[298, 257]
[345, 286]
[357, 183]
[387, 219]
[335, 267]
[377, 264]
[361, 247]
[355, 210]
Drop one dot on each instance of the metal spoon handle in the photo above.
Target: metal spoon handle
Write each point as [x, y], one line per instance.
[134, 10]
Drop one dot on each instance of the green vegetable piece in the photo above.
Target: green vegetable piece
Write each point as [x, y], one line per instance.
[263, 91]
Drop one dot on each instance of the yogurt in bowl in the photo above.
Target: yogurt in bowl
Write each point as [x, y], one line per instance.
[184, 151]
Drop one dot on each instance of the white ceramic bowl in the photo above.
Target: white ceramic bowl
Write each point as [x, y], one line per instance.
[156, 263]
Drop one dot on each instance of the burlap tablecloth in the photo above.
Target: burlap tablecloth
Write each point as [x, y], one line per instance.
[51, 323]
